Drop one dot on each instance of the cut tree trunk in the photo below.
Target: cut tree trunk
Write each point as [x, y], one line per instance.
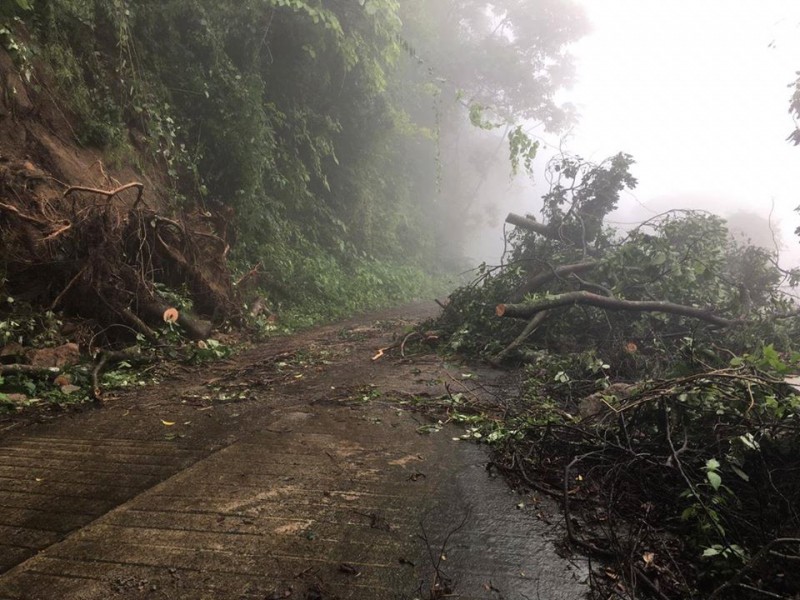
[530, 225]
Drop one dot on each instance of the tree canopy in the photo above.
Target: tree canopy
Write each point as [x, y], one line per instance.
[326, 127]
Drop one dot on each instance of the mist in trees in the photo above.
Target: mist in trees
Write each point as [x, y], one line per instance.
[337, 138]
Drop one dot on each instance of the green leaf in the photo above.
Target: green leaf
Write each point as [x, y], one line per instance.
[740, 473]
[714, 479]
[712, 464]
[749, 441]
[708, 552]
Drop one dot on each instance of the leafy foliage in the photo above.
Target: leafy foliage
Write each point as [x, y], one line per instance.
[308, 123]
[794, 110]
[671, 424]
[684, 257]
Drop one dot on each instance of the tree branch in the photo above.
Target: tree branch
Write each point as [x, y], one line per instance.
[531, 225]
[28, 370]
[529, 330]
[544, 277]
[548, 231]
[527, 311]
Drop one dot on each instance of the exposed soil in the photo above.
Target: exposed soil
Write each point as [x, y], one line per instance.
[300, 468]
[99, 241]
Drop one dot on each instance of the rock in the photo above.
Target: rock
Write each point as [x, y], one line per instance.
[595, 405]
[62, 380]
[15, 398]
[62, 356]
[12, 349]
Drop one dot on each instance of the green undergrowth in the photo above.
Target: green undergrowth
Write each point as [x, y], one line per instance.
[322, 289]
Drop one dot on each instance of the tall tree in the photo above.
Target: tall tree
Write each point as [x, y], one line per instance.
[490, 70]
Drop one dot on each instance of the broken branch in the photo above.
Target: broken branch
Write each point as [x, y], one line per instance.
[528, 310]
[530, 225]
[544, 277]
[28, 370]
[529, 330]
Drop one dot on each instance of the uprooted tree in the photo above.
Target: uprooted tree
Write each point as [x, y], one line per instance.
[103, 255]
[654, 402]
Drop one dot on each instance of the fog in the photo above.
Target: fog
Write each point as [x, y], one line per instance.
[698, 93]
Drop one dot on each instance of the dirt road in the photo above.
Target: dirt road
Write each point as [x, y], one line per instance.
[297, 469]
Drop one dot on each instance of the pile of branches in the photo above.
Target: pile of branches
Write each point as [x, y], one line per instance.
[683, 488]
[569, 283]
[656, 410]
[103, 255]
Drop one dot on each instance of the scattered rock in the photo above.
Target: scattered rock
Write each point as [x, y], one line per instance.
[12, 349]
[62, 356]
[16, 398]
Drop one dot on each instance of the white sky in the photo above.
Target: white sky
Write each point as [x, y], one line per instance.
[697, 91]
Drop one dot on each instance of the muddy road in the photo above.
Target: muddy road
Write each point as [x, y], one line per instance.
[298, 469]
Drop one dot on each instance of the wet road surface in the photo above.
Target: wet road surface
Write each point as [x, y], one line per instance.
[319, 482]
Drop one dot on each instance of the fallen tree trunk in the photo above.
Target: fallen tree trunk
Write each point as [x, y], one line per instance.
[528, 310]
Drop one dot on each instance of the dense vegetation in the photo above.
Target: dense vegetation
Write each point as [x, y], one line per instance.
[321, 149]
[324, 133]
[654, 404]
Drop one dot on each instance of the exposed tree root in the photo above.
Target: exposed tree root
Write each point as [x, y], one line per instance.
[109, 261]
[110, 193]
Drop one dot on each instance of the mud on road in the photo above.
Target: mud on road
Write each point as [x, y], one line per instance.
[298, 469]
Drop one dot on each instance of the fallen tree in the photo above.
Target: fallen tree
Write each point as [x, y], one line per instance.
[106, 256]
[654, 406]
[582, 284]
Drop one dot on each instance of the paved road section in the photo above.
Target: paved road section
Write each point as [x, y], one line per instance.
[323, 490]
[50, 486]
